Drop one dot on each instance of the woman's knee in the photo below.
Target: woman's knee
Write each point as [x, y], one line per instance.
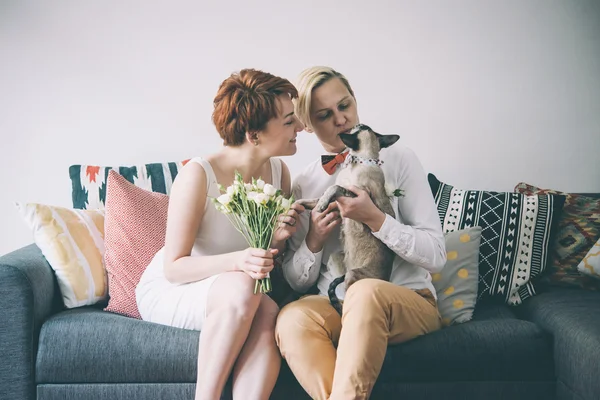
[266, 315]
[233, 294]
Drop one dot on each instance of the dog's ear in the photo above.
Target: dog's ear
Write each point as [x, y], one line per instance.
[350, 140]
[386, 140]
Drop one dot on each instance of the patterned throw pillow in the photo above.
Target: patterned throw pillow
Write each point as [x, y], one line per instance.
[578, 230]
[457, 284]
[590, 265]
[134, 227]
[516, 232]
[72, 241]
[89, 181]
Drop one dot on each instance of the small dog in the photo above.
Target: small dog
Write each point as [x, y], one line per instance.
[364, 256]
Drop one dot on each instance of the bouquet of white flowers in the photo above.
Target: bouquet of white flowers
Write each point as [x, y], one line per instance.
[253, 209]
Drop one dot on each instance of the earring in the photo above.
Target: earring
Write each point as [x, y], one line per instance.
[256, 142]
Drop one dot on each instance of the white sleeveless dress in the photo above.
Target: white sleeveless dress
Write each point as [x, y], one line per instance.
[184, 305]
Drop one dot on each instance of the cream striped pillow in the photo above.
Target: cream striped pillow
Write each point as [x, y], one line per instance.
[73, 243]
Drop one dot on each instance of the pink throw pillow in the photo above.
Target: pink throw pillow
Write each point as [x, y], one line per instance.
[134, 230]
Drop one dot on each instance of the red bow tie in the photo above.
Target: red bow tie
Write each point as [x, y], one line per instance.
[330, 162]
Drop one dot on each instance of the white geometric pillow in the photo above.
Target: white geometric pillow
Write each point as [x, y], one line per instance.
[590, 265]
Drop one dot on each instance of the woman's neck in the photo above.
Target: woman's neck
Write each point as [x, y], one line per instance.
[246, 161]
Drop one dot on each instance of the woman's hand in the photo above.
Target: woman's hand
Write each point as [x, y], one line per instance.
[257, 263]
[321, 226]
[286, 226]
[361, 208]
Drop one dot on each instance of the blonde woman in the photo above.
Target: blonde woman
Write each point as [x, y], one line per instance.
[337, 357]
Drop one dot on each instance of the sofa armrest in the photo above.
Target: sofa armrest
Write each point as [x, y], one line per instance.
[28, 295]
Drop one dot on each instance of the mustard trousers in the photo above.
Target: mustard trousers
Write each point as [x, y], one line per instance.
[337, 357]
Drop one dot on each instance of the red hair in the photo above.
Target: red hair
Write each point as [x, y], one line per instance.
[246, 101]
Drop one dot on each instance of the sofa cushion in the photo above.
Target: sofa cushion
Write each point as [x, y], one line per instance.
[590, 265]
[456, 284]
[88, 182]
[134, 225]
[572, 316]
[72, 241]
[516, 231]
[494, 346]
[577, 231]
[93, 346]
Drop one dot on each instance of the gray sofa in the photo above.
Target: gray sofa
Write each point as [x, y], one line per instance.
[547, 348]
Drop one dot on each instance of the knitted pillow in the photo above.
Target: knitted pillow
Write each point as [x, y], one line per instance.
[515, 237]
[578, 230]
[135, 225]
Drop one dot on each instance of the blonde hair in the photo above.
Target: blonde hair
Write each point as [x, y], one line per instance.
[309, 80]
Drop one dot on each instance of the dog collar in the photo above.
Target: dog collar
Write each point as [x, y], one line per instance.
[352, 159]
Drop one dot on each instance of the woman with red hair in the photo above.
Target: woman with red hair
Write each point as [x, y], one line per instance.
[203, 278]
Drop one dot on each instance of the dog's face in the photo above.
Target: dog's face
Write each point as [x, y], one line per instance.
[364, 142]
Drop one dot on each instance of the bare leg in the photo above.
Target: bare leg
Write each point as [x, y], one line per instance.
[230, 310]
[257, 367]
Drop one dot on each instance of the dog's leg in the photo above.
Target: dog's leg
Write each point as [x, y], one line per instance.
[336, 264]
[331, 194]
[309, 204]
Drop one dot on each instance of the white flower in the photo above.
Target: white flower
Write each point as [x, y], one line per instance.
[252, 195]
[261, 198]
[285, 203]
[230, 190]
[269, 190]
[223, 209]
[248, 186]
[260, 184]
[224, 199]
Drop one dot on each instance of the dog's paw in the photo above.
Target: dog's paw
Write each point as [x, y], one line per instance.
[308, 204]
[321, 206]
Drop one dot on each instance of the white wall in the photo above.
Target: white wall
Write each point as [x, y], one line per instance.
[488, 93]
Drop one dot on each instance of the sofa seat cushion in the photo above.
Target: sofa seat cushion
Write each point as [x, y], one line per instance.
[87, 345]
[494, 346]
[572, 316]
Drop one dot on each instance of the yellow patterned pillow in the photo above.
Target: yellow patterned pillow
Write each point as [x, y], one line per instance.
[73, 243]
[590, 265]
